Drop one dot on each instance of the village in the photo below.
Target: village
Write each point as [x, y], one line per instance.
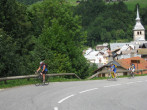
[121, 54]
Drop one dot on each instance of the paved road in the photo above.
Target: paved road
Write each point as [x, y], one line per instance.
[124, 94]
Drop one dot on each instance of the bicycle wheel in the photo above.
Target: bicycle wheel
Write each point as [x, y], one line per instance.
[109, 77]
[130, 75]
[39, 80]
[46, 80]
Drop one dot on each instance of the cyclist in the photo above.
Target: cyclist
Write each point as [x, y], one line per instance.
[44, 70]
[132, 69]
[113, 69]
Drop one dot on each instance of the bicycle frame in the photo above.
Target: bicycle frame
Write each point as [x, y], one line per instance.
[131, 74]
[39, 79]
[111, 76]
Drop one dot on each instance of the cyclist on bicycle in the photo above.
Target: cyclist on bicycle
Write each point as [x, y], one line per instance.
[113, 69]
[44, 70]
[132, 68]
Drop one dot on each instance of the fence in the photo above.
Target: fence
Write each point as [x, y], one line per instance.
[34, 76]
[121, 71]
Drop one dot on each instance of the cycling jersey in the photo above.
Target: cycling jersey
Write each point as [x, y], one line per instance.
[45, 67]
[114, 68]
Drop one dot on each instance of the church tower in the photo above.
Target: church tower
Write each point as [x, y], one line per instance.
[139, 30]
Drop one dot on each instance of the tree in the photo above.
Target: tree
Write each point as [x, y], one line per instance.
[61, 41]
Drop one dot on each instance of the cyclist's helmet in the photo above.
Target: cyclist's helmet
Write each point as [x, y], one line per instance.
[41, 62]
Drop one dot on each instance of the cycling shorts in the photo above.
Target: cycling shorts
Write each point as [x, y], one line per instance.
[44, 72]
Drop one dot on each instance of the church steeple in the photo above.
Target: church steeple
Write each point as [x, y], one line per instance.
[139, 31]
[137, 18]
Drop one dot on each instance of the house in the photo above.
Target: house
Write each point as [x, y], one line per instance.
[102, 47]
[98, 57]
[107, 67]
[144, 45]
[124, 64]
[139, 63]
[143, 53]
[124, 50]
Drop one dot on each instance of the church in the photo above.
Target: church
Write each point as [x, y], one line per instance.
[139, 31]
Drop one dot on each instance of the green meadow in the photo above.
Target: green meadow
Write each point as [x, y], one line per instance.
[132, 3]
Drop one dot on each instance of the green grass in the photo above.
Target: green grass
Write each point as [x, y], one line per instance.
[132, 3]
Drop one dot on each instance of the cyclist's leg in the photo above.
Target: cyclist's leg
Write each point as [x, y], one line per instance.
[133, 73]
[112, 74]
[43, 75]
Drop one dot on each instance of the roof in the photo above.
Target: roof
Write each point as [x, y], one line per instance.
[138, 25]
[144, 45]
[142, 51]
[129, 52]
[125, 63]
[107, 65]
[113, 62]
[115, 46]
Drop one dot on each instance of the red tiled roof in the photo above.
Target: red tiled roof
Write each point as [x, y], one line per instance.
[126, 63]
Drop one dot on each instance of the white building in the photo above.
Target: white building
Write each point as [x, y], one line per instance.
[138, 31]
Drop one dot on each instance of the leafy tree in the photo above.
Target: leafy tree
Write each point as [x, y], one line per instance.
[15, 27]
[9, 61]
[61, 41]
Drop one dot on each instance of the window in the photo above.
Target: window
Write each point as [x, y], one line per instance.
[137, 33]
[135, 61]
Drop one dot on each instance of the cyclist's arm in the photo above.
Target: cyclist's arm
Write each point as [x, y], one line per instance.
[38, 69]
[43, 68]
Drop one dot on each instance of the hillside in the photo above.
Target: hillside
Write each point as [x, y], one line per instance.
[131, 3]
[28, 2]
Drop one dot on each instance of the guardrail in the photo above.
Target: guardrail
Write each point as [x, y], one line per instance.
[120, 71]
[34, 76]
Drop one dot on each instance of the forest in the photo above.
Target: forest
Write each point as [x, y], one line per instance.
[56, 32]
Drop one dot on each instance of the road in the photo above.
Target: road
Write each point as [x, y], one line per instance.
[123, 94]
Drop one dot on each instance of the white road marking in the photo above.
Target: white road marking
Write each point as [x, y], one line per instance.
[113, 85]
[130, 82]
[139, 81]
[65, 98]
[55, 108]
[88, 90]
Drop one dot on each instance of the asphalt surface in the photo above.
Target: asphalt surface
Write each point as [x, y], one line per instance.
[123, 94]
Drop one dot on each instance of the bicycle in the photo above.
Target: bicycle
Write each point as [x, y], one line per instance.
[39, 79]
[131, 74]
[111, 76]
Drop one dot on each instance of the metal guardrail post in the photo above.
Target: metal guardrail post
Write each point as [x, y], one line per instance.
[77, 76]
